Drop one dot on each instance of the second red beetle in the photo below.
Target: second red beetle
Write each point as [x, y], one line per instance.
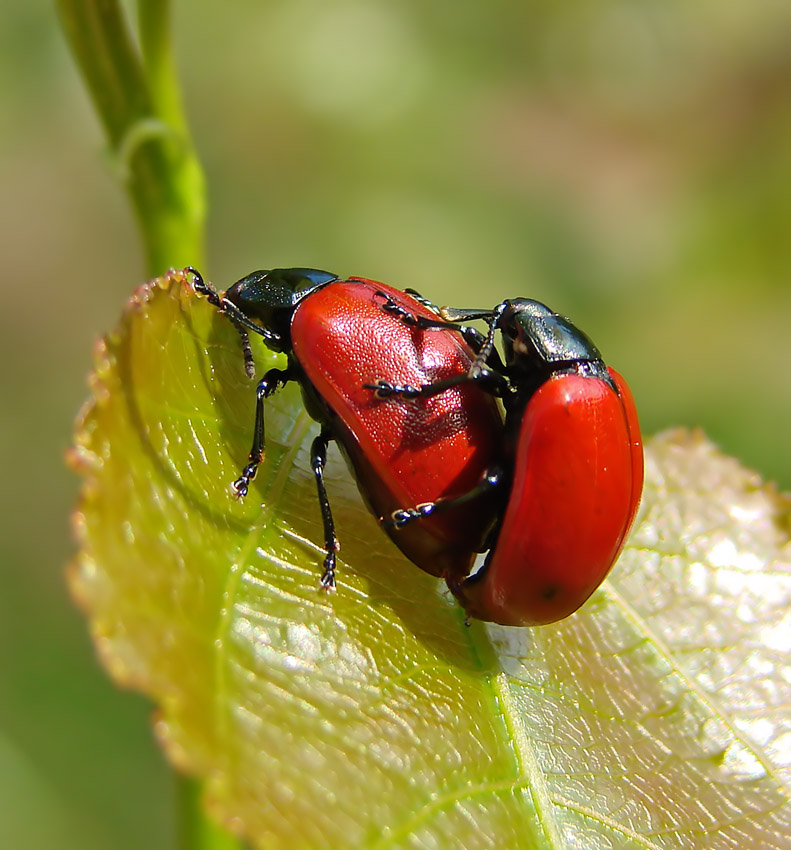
[573, 469]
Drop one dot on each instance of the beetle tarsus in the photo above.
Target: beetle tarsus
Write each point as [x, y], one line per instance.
[404, 516]
[241, 486]
[328, 577]
[385, 389]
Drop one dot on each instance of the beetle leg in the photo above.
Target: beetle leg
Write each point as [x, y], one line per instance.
[271, 381]
[480, 374]
[455, 316]
[405, 516]
[421, 322]
[390, 306]
[318, 460]
[386, 389]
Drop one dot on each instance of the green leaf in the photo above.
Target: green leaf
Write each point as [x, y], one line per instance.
[656, 717]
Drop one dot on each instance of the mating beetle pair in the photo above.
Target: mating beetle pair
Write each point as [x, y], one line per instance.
[408, 392]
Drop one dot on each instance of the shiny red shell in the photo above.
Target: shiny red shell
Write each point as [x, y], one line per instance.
[578, 478]
[402, 452]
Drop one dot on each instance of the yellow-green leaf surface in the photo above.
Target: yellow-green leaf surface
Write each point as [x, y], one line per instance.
[656, 717]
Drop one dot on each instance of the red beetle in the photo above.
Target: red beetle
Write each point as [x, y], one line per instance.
[337, 338]
[574, 468]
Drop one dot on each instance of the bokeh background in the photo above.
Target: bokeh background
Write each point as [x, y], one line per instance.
[627, 161]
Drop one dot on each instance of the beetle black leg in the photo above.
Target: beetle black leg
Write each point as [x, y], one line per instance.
[270, 383]
[480, 374]
[318, 460]
[472, 336]
[386, 389]
[390, 306]
[424, 323]
[405, 516]
[455, 315]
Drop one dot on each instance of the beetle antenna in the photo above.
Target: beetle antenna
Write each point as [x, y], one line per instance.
[247, 351]
[240, 321]
[486, 349]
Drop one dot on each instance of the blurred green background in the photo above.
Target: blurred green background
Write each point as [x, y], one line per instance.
[627, 161]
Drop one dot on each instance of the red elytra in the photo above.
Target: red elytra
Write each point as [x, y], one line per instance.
[402, 453]
[578, 477]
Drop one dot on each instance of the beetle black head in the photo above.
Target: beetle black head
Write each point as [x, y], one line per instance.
[535, 337]
[270, 296]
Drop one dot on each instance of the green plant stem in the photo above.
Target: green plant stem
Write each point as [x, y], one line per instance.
[136, 95]
[155, 40]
